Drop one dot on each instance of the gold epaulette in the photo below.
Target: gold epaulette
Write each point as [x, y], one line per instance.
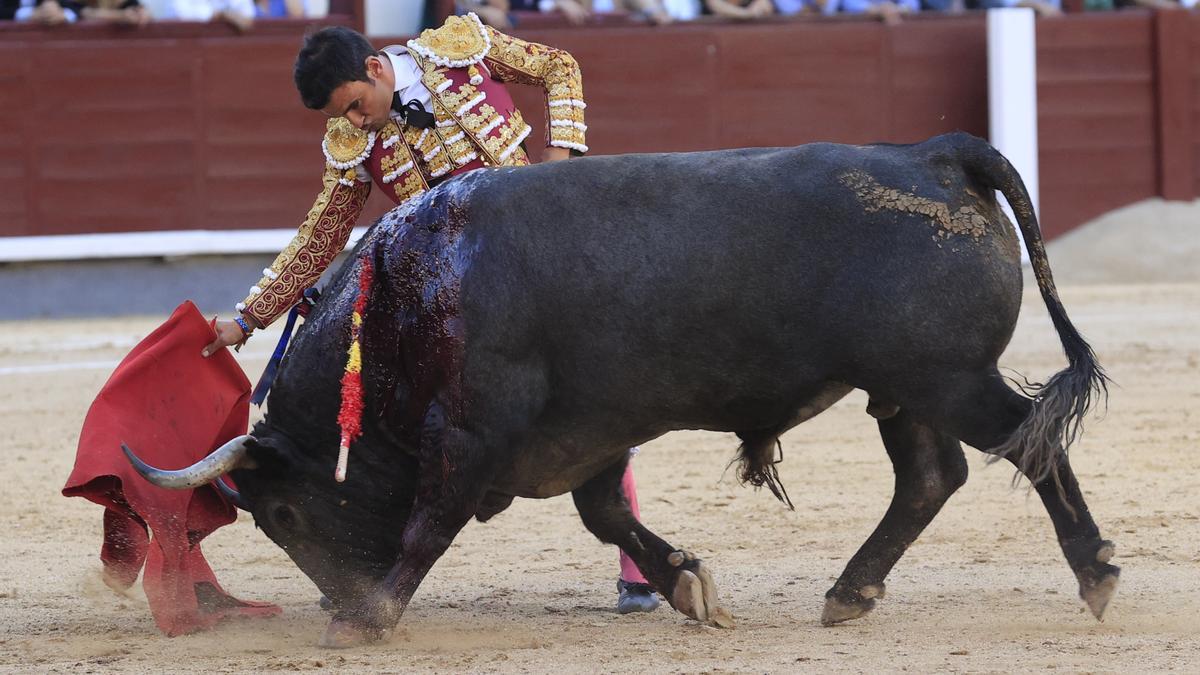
[460, 42]
[346, 147]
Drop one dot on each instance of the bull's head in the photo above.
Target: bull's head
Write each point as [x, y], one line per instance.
[344, 536]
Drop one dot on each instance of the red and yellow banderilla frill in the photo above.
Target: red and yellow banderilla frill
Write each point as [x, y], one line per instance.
[351, 413]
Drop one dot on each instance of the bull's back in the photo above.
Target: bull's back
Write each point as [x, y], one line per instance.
[756, 270]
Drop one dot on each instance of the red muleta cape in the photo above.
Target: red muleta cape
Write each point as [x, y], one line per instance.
[172, 407]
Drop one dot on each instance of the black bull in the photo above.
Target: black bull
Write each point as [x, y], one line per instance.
[527, 326]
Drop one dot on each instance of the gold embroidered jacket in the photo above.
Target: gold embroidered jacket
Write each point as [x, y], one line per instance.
[464, 64]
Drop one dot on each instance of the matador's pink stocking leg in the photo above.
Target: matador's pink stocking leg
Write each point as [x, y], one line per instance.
[629, 571]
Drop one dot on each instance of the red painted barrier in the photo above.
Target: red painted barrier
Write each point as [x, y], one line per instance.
[187, 126]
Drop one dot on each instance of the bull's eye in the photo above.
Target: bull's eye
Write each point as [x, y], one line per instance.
[284, 517]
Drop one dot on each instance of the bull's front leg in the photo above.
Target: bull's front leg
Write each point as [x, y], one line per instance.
[455, 471]
[678, 575]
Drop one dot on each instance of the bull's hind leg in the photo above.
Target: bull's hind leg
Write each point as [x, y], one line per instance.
[983, 412]
[929, 467]
[678, 575]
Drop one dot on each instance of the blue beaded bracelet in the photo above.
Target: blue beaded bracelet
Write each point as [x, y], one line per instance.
[246, 329]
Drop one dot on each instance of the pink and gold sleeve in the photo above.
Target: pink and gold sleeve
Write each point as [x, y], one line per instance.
[556, 71]
[321, 237]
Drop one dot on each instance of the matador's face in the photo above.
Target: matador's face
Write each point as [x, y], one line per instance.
[366, 105]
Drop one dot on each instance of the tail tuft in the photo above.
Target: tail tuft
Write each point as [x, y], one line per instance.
[1056, 420]
[1041, 443]
[756, 456]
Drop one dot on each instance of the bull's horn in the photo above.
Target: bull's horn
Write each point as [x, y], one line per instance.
[232, 495]
[224, 459]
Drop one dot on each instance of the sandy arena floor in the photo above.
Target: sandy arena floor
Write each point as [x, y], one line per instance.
[984, 590]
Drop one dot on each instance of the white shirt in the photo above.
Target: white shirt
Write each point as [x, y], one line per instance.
[682, 10]
[409, 84]
[25, 12]
[203, 10]
[408, 78]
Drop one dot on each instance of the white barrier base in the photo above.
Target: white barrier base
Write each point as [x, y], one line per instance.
[180, 243]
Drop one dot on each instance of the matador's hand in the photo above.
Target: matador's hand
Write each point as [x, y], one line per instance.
[555, 154]
[228, 333]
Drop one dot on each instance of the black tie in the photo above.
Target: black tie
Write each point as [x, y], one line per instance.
[412, 113]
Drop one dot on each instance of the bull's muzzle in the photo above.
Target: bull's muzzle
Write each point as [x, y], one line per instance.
[221, 461]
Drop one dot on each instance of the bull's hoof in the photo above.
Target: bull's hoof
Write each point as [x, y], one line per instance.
[343, 634]
[1099, 584]
[695, 593]
[688, 596]
[366, 623]
[1098, 596]
[839, 609]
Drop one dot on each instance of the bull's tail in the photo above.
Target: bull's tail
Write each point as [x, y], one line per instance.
[757, 463]
[1060, 404]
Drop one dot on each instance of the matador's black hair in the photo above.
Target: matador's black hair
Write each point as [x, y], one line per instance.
[330, 58]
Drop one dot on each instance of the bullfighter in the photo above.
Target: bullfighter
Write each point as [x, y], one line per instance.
[407, 118]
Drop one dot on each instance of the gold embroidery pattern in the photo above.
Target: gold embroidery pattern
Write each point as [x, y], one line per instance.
[518, 158]
[556, 71]
[410, 183]
[389, 163]
[455, 99]
[462, 149]
[439, 161]
[418, 139]
[431, 153]
[477, 121]
[481, 130]
[477, 124]
[462, 138]
[565, 137]
[344, 145]
[390, 128]
[504, 137]
[458, 42]
[467, 147]
[321, 237]
[434, 77]
[421, 140]
[409, 186]
[391, 155]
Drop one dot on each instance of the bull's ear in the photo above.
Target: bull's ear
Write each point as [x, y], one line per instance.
[267, 457]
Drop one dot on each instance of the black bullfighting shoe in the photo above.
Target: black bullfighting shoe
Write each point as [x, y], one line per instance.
[635, 597]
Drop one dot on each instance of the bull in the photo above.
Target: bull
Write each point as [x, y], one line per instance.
[528, 325]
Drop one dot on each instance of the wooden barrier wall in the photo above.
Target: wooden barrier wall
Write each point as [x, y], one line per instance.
[190, 127]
